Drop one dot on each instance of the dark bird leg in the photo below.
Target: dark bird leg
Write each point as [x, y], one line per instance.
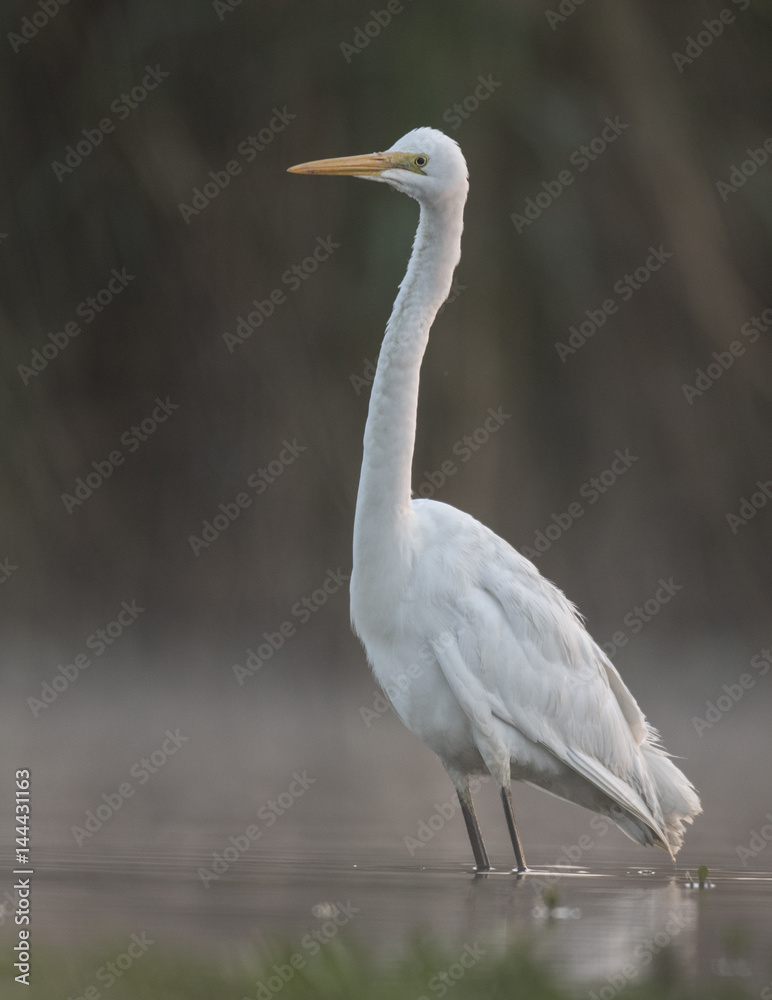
[481, 862]
[506, 798]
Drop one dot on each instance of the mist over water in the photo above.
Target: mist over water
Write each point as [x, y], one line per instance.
[224, 815]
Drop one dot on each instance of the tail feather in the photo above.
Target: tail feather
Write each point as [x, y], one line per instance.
[676, 802]
[677, 796]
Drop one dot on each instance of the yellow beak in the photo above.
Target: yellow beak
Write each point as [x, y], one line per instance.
[368, 165]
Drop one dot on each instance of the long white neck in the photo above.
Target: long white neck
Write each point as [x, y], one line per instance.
[382, 523]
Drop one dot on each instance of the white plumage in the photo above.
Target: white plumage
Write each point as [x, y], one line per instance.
[505, 678]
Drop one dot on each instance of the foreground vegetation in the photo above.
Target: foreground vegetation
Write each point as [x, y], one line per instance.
[340, 971]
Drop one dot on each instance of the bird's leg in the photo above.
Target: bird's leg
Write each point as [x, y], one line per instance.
[481, 862]
[506, 798]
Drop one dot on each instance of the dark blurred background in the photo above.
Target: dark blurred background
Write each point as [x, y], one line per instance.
[199, 79]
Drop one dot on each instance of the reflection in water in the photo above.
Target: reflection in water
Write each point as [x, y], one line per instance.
[606, 926]
[353, 838]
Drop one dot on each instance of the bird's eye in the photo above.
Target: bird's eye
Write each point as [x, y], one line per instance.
[421, 160]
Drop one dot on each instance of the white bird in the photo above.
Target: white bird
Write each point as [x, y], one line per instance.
[482, 658]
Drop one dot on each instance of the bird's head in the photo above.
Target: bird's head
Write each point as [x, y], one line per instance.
[425, 164]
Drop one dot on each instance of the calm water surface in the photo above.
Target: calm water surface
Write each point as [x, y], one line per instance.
[603, 919]
[345, 842]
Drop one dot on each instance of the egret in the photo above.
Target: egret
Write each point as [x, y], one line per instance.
[502, 676]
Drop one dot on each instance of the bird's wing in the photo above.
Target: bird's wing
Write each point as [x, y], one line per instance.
[515, 649]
